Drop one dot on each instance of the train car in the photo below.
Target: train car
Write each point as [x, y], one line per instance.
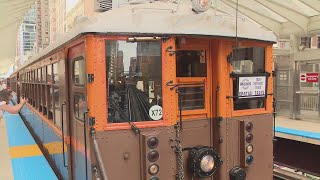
[151, 91]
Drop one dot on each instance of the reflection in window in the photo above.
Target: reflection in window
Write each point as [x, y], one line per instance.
[49, 74]
[79, 73]
[191, 64]
[192, 98]
[134, 80]
[55, 73]
[80, 105]
[248, 61]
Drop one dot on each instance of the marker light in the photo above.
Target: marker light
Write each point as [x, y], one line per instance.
[153, 142]
[249, 148]
[201, 5]
[249, 159]
[249, 138]
[153, 169]
[249, 126]
[153, 156]
[154, 178]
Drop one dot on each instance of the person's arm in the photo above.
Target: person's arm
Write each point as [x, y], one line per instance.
[14, 109]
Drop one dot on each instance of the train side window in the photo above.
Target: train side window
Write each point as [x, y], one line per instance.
[134, 76]
[248, 61]
[80, 105]
[55, 98]
[79, 72]
[43, 91]
[49, 91]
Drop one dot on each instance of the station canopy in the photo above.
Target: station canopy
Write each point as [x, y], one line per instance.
[283, 17]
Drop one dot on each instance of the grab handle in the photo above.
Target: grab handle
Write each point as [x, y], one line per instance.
[62, 127]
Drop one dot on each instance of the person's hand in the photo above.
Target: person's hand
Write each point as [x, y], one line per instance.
[23, 100]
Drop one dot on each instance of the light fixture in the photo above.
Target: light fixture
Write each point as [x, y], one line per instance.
[152, 142]
[249, 138]
[249, 159]
[153, 169]
[203, 161]
[249, 148]
[249, 127]
[153, 156]
[201, 5]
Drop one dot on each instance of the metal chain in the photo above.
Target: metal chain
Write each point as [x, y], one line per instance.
[178, 151]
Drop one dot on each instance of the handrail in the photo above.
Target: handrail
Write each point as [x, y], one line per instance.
[85, 142]
[98, 155]
[62, 127]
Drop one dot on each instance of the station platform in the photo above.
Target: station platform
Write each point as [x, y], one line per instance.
[21, 158]
[298, 130]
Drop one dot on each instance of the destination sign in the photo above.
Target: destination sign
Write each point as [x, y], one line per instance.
[252, 87]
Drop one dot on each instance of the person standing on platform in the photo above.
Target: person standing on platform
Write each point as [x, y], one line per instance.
[5, 97]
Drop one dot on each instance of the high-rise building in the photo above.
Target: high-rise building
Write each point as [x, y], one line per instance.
[57, 17]
[26, 36]
[42, 21]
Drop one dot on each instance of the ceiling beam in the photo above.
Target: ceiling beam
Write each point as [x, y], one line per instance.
[261, 19]
[314, 4]
[298, 19]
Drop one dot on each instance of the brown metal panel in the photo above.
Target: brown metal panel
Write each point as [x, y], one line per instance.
[124, 153]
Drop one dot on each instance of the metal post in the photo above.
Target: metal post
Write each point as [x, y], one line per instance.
[295, 84]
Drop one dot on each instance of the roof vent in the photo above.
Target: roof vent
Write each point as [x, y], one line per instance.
[102, 5]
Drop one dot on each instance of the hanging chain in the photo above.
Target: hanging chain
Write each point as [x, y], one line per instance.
[178, 151]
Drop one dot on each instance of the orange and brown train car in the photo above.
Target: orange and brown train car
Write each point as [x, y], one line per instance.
[153, 92]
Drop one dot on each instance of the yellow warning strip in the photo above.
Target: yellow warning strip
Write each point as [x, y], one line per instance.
[24, 151]
[34, 150]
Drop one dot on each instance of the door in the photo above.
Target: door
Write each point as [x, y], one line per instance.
[77, 111]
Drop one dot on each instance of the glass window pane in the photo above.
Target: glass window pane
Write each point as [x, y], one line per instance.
[79, 73]
[57, 111]
[49, 74]
[80, 105]
[134, 80]
[44, 75]
[192, 98]
[191, 64]
[248, 61]
[55, 73]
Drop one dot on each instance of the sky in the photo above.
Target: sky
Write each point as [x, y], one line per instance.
[70, 4]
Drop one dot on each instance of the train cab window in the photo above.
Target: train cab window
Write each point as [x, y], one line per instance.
[191, 71]
[248, 61]
[79, 106]
[79, 72]
[191, 64]
[134, 76]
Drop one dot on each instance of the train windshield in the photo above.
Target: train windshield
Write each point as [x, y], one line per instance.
[134, 81]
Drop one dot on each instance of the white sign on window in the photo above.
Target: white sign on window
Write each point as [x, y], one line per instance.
[252, 87]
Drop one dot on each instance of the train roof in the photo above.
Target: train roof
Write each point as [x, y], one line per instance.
[163, 18]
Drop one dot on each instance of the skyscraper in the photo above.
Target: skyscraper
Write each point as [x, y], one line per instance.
[26, 36]
[42, 21]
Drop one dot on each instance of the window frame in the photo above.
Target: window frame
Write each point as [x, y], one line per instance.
[78, 58]
[268, 69]
[142, 122]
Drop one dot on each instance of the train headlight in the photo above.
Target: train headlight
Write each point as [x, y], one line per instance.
[207, 163]
[201, 5]
[203, 161]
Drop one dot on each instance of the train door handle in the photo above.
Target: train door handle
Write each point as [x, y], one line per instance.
[62, 127]
[85, 141]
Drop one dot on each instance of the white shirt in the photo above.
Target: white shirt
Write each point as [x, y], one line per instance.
[2, 111]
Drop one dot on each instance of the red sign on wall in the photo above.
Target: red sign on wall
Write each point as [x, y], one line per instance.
[309, 77]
